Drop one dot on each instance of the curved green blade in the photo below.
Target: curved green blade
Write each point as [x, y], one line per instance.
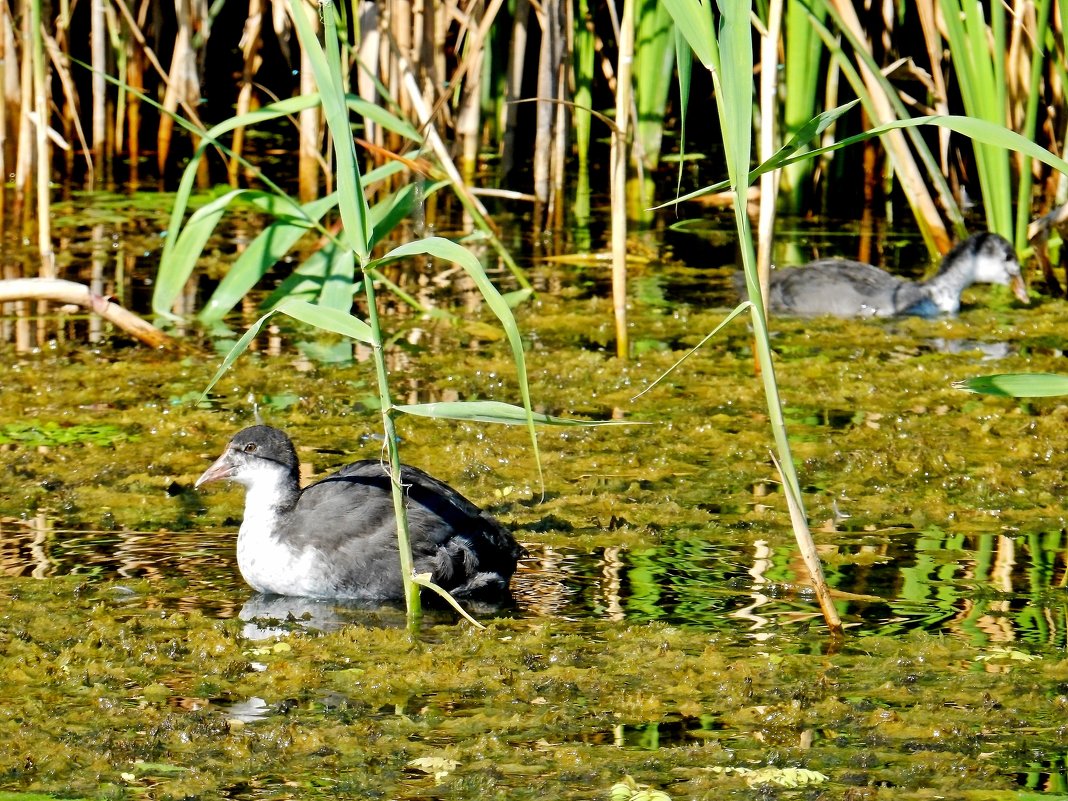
[496, 412]
[1017, 385]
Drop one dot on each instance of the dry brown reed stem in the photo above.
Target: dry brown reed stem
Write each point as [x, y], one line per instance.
[135, 78]
[183, 80]
[469, 113]
[423, 115]
[928, 12]
[549, 65]
[6, 47]
[469, 70]
[60, 291]
[435, 38]
[62, 67]
[563, 115]
[310, 119]
[618, 188]
[439, 100]
[98, 59]
[514, 82]
[58, 49]
[135, 30]
[251, 40]
[807, 547]
[24, 148]
[908, 172]
[367, 57]
[41, 108]
[398, 16]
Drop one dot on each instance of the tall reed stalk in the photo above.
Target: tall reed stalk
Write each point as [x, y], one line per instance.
[618, 186]
[1039, 64]
[654, 59]
[734, 105]
[43, 153]
[977, 54]
[801, 99]
[584, 49]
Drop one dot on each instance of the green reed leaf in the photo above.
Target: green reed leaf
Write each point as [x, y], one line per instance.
[326, 318]
[457, 254]
[1017, 385]
[495, 412]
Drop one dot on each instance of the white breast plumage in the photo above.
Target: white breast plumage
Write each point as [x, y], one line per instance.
[266, 563]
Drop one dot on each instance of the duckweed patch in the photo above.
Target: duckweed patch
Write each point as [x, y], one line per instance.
[50, 433]
[663, 630]
[138, 695]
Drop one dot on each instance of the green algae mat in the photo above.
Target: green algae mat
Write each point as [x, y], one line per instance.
[663, 642]
[118, 692]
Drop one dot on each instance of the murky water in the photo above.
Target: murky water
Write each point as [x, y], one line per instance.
[662, 624]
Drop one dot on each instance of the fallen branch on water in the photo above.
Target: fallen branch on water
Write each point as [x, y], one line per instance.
[56, 289]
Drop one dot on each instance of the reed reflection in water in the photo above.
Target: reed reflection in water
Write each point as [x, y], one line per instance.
[987, 588]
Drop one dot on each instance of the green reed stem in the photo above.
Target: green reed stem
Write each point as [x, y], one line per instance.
[352, 205]
[1030, 123]
[411, 589]
[734, 105]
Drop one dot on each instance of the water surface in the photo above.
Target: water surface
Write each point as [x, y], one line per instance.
[662, 627]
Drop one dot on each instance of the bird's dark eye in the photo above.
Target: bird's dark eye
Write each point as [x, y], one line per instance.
[250, 447]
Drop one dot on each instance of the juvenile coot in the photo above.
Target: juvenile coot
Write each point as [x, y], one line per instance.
[848, 288]
[336, 539]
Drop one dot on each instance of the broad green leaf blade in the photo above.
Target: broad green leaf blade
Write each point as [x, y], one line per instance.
[785, 155]
[381, 116]
[383, 172]
[388, 212]
[450, 251]
[340, 278]
[177, 262]
[1017, 385]
[979, 130]
[263, 253]
[352, 203]
[518, 297]
[279, 238]
[694, 19]
[495, 412]
[736, 85]
[684, 69]
[272, 111]
[808, 132]
[166, 289]
[306, 281]
[318, 316]
[340, 322]
[995, 134]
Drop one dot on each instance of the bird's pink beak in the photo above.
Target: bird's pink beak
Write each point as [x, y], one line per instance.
[222, 468]
[1019, 289]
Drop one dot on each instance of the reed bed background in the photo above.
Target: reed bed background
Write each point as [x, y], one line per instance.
[456, 70]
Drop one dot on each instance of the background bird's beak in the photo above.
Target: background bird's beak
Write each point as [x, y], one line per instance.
[1019, 289]
[222, 468]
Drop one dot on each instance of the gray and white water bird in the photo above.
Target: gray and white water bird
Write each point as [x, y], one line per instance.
[847, 288]
[336, 538]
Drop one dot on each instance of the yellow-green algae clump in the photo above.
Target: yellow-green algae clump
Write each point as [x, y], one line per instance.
[114, 688]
